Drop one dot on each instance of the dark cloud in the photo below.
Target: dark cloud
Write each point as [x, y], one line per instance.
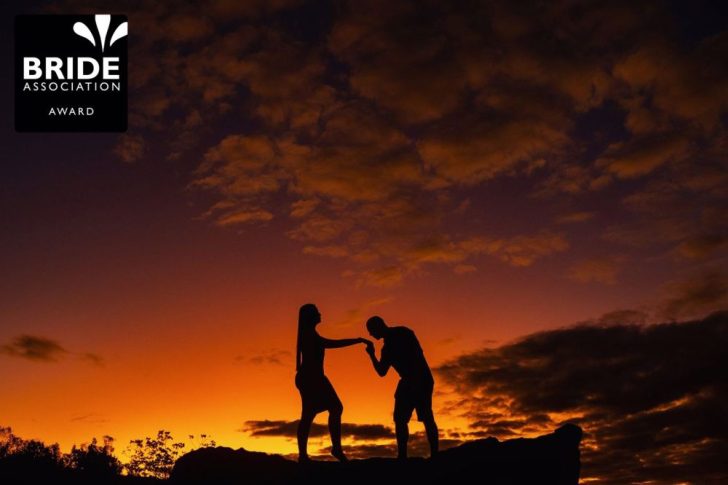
[439, 98]
[365, 132]
[361, 432]
[416, 446]
[42, 349]
[34, 348]
[280, 428]
[701, 292]
[650, 398]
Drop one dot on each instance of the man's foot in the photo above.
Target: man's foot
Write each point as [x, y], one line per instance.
[401, 457]
[304, 459]
[338, 453]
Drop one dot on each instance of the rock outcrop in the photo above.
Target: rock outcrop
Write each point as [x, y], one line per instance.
[546, 460]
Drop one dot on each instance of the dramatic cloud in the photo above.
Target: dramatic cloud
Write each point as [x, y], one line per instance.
[34, 348]
[359, 199]
[649, 397]
[371, 134]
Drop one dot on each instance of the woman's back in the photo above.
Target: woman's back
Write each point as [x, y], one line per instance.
[312, 353]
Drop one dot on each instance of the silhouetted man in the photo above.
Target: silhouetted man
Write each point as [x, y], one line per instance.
[402, 351]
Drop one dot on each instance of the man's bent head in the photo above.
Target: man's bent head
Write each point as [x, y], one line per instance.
[376, 327]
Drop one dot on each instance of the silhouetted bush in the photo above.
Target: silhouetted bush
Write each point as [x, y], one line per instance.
[93, 459]
[31, 461]
[154, 457]
[8, 442]
[27, 461]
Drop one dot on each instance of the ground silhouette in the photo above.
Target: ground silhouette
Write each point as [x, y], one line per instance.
[551, 459]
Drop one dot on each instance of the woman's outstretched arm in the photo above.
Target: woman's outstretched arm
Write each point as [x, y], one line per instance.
[344, 342]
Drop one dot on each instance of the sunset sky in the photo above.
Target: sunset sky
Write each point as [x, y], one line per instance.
[490, 174]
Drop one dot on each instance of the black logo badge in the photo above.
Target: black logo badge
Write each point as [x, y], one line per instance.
[71, 73]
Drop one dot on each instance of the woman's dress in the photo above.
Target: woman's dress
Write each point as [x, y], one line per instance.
[317, 393]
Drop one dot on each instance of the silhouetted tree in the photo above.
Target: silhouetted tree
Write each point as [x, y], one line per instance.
[12, 445]
[9, 443]
[154, 457]
[94, 459]
[30, 459]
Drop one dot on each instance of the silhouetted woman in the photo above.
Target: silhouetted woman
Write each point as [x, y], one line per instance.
[317, 393]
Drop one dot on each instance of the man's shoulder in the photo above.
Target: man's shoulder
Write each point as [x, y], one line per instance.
[401, 333]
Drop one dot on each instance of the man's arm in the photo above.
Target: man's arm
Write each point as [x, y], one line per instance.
[381, 366]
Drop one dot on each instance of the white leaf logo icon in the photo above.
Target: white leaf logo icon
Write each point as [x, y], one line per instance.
[121, 31]
[81, 29]
[102, 27]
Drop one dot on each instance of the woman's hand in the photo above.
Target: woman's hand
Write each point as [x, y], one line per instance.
[370, 347]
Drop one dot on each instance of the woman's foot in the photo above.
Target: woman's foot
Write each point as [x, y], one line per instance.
[338, 453]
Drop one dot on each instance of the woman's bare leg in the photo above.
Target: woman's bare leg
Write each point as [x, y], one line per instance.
[304, 427]
[335, 431]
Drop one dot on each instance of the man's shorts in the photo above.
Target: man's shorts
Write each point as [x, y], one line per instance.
[412, 396]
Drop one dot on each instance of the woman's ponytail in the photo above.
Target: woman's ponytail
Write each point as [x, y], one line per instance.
[306, 314]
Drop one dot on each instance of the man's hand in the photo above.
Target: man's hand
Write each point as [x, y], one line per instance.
[370, 347]
[381, 366]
